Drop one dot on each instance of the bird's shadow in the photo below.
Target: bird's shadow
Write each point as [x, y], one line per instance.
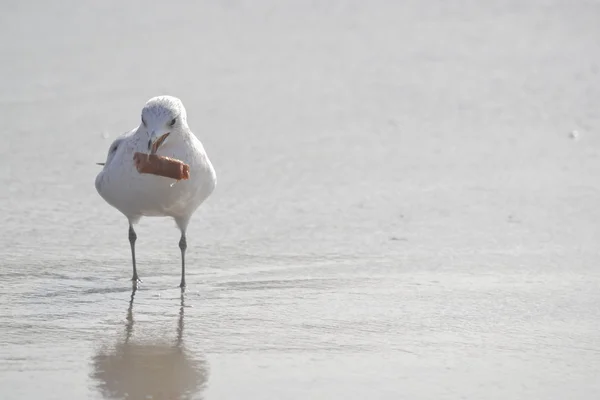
[153, 369]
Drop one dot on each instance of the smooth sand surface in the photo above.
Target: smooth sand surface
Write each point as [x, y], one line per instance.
[403, 209]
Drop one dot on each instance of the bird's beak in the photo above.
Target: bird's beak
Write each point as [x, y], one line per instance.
[156, 141]
[99, 163]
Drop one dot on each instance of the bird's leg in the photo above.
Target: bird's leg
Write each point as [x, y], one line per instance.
[183, 247]
[132, 239]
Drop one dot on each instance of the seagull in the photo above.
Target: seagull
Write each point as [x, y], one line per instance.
[164, 131]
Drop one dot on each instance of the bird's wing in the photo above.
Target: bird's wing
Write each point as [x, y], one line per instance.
[116, 144]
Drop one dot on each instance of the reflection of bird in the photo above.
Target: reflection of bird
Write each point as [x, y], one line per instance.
[163, 131]
[152, 370]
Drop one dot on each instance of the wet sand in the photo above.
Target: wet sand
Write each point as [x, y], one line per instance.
[403, 207]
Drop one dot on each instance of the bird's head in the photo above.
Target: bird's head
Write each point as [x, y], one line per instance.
[162, 117]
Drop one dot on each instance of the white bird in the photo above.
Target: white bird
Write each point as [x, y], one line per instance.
[163, 131]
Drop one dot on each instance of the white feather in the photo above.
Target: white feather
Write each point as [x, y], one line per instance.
[142, 195]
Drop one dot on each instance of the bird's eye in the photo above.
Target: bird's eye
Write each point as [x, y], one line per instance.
[173, 122]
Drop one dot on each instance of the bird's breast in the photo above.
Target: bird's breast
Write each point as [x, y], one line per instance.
[135, 194]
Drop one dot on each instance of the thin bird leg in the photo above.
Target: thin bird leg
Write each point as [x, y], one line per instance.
[132, 239]
[183, 247]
